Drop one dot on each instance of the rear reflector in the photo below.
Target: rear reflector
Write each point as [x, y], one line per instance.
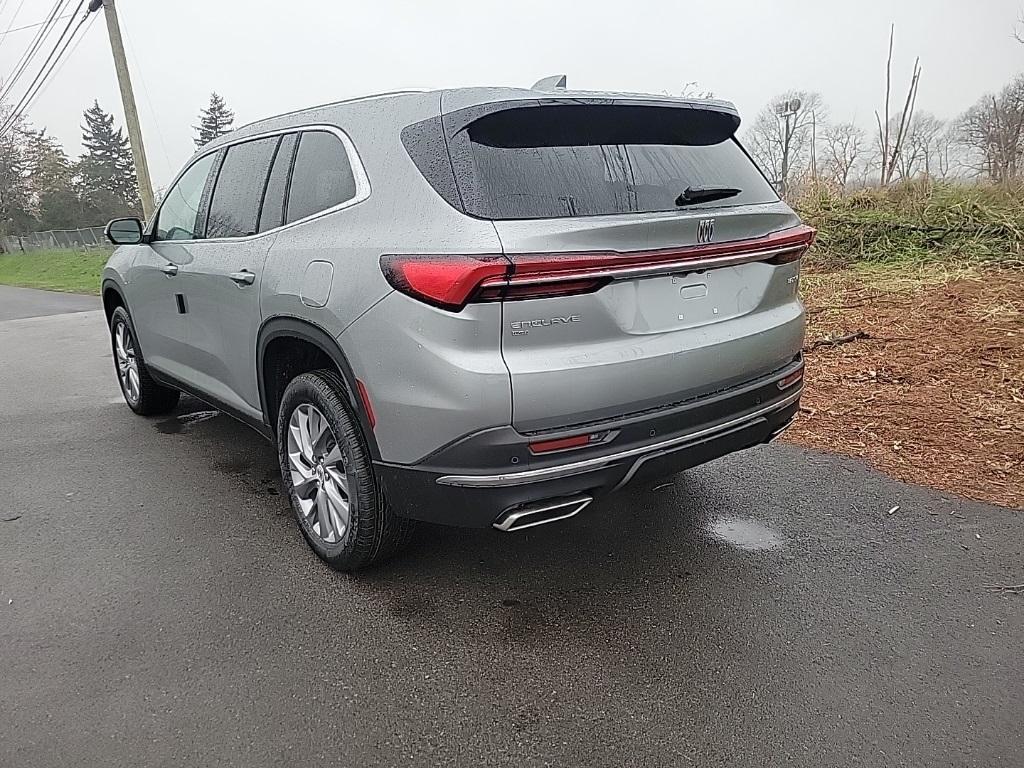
[451, 281]
[789, 380]
[576, 441]
[561, 444]
[367, 405]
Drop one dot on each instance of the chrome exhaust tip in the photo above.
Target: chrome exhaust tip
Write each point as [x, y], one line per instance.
[541, 512]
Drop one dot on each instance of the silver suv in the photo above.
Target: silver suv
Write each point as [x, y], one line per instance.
[480, 307]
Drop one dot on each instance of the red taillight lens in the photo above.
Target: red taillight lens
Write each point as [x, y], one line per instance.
[444, 281]
[451, 281]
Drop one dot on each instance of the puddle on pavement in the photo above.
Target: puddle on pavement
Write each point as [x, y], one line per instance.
[176, 424]
[746, 534]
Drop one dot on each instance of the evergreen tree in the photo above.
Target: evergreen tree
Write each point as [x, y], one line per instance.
[51, 179]
[15, 197]
[215, 120]
[107, 171]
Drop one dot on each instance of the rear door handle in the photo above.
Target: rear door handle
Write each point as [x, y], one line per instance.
[169, 269]
[245, 277]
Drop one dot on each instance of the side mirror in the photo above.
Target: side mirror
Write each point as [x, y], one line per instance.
[126, 231]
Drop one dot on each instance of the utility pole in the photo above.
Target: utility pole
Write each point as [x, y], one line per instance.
[131, 112]
[786, 110]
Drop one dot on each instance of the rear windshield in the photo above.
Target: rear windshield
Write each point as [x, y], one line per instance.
[556, 161]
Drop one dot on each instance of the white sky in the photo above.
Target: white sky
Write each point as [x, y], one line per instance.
[270, 57]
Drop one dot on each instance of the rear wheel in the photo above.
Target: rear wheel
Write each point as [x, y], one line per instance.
[141, 392]
[327, 470]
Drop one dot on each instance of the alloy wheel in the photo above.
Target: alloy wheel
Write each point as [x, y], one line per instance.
[127, 362]
[318, 474]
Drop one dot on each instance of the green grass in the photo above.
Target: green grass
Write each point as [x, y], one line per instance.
[70, 271]
[917, 223]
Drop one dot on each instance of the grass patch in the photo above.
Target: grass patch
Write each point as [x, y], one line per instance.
[65, 270]
[917, 222]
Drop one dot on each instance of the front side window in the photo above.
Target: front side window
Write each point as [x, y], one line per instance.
[179, 215]
[321, 178]
[235, 205]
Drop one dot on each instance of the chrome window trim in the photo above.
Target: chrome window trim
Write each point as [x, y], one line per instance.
[598, 462]
[355, 162]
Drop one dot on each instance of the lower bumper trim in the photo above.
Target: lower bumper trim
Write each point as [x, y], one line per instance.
[587, 465]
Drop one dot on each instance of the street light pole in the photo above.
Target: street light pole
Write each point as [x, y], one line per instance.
[131, 112]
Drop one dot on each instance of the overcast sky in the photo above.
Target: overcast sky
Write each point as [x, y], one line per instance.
[266, 58]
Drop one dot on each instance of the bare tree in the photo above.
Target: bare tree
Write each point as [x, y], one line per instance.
[890, 136]
[993, 129]
[782, 134]
[1018, 31]
[842, 146]
[915, 152]
[945, 152]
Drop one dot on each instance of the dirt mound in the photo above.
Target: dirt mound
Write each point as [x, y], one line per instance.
[934, 393]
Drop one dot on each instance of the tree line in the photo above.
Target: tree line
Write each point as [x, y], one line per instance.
[41, 188]
[797, 146]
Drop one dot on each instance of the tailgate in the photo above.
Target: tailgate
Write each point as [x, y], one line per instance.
[648, 341]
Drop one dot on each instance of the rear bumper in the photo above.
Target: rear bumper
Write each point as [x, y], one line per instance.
[483, 479]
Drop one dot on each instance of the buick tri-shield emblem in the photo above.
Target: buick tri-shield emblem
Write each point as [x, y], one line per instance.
[705, 230]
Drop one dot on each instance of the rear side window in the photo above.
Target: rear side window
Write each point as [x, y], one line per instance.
[552, 161]
[235, 205]
[272, 214]
[321, 178]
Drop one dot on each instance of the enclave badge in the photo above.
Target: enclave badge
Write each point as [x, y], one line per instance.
[705, 230]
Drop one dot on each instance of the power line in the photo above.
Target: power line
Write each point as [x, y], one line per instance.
[11, 31]
[33, 46]
[62, 61]
[10, 24]
[44, 71]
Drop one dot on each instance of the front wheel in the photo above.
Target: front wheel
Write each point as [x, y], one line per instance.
[141, 392]
[327, 470]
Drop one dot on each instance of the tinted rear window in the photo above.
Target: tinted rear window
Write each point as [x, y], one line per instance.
[321, 176]
[557, 161]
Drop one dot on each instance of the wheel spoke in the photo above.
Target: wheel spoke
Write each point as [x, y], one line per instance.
[306, 506]
[334, 455]
[122, 354]
[339, 478]
[305, 488]
[307, 446]
[323, 514]
[338, 506]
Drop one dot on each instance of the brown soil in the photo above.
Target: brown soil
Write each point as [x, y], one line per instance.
[935, 394]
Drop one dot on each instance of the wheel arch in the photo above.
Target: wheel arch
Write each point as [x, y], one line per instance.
[113, 296]
[277, 328]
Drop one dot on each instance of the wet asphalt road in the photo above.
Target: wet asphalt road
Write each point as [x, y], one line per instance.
[158, 607]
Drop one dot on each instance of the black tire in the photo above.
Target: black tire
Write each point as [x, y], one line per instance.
[152, 398]
[374, 532]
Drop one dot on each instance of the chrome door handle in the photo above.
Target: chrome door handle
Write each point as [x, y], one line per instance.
[169, 269]
[245, 277]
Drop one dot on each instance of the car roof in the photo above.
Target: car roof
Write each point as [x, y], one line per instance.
[457, 98]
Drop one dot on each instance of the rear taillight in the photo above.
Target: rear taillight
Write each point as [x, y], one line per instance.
[452, 281]
[445, 281]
